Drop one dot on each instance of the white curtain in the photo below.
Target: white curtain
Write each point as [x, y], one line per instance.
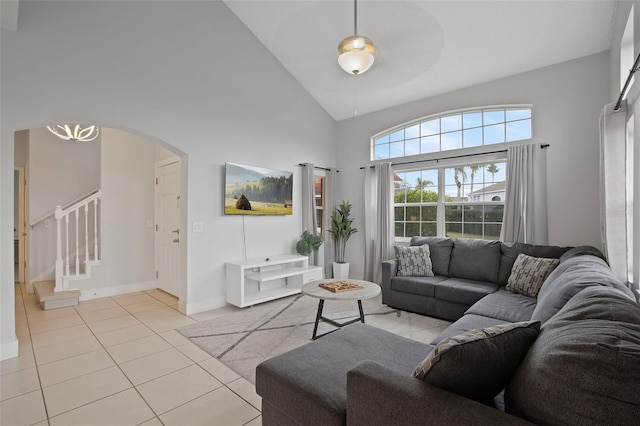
[379, 232]
[309, 219]
[613, 195]
[329, 204]
[525, 207]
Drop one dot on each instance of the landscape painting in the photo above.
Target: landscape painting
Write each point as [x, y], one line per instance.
[257, 190]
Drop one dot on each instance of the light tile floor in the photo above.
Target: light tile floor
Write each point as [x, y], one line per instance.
[118, 361]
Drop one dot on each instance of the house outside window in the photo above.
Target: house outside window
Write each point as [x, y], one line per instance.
[465, 197]
[458, 202]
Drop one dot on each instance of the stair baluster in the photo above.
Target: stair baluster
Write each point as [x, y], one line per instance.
[75, 213]
[95, 229]
[66, 265]
[63, 266]
[58, 216]
[86, 233]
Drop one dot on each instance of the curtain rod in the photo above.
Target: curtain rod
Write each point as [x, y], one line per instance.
[318, 167]
[543, 146]
[632, 71]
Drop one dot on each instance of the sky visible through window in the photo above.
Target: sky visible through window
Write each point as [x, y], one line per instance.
[465, 129]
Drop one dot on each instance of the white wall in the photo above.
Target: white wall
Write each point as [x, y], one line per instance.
[566, 98]
[59, 171]
[185, 74]
[163, 154]
[127, 242]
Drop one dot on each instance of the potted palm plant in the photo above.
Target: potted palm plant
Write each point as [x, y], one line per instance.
[341, 230]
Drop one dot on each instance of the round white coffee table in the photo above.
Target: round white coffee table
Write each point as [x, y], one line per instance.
[313, 289]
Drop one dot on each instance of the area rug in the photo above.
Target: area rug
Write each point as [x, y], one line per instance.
[243, 339]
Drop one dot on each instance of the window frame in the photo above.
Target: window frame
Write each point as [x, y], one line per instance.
[393, 132]
[319, 179]
[441, 204]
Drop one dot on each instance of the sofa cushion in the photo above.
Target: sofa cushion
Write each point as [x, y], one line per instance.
[424, 286]
[528, 274]
[510, 251]
[413, 261]
[440, 250]
[573, 275]
[504, 305]
[309, 384]
[454, 363]
[466, 323]
[475, 260]
[463, 291]
[584, 368]
[581, 251]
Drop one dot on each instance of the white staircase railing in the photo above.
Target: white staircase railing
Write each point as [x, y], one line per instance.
[84, 227]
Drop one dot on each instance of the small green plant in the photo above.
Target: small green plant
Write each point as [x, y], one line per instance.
[341, 229]
[308, 243]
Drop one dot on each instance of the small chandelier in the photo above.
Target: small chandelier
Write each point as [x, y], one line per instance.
[77, 134]
[356, 53]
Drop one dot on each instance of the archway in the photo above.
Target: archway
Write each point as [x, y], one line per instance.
[125, 167]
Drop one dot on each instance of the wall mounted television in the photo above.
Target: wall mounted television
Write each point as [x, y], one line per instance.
[257, 190]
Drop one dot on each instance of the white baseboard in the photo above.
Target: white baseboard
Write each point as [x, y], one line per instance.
[47, 275]
[186, 308]
[96, 293]
[203, 306]
[9, 350]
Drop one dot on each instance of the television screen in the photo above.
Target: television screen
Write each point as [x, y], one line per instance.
[257, 190]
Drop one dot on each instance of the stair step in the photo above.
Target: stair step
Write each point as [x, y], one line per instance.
[50, 299]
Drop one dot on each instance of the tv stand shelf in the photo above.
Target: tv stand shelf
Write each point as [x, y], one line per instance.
[254, 281]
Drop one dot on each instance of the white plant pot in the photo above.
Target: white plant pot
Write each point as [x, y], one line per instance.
[340, 271]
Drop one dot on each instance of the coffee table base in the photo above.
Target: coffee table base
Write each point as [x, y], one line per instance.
[333, 322]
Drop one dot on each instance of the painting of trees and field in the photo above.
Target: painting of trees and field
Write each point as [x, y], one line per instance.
[257, 190]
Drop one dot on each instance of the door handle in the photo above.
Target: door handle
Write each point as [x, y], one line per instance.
[176, 240]
[177, 231]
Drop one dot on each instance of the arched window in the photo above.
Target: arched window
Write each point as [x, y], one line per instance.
[453, 130]
[461, 197]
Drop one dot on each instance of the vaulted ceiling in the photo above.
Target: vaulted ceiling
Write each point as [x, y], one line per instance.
[425, 47]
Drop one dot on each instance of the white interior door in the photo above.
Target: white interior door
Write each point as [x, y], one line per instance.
[167, 204]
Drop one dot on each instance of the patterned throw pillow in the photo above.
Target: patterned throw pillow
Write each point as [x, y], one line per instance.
[528, 274]
[414, 261]
[478, 364]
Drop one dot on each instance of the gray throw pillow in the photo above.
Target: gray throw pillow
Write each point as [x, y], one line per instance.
[529, 273]
[478, 364]
[414, 261]
[510, 251]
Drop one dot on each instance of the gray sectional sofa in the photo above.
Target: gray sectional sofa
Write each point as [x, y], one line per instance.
[464, 270]
[583, 368]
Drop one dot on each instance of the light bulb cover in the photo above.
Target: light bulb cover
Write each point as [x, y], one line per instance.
[356, 54]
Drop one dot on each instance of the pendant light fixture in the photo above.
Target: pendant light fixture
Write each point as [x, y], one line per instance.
[356, 53]
[77, 134]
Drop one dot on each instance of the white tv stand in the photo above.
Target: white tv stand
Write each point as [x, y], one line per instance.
[255, 281]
